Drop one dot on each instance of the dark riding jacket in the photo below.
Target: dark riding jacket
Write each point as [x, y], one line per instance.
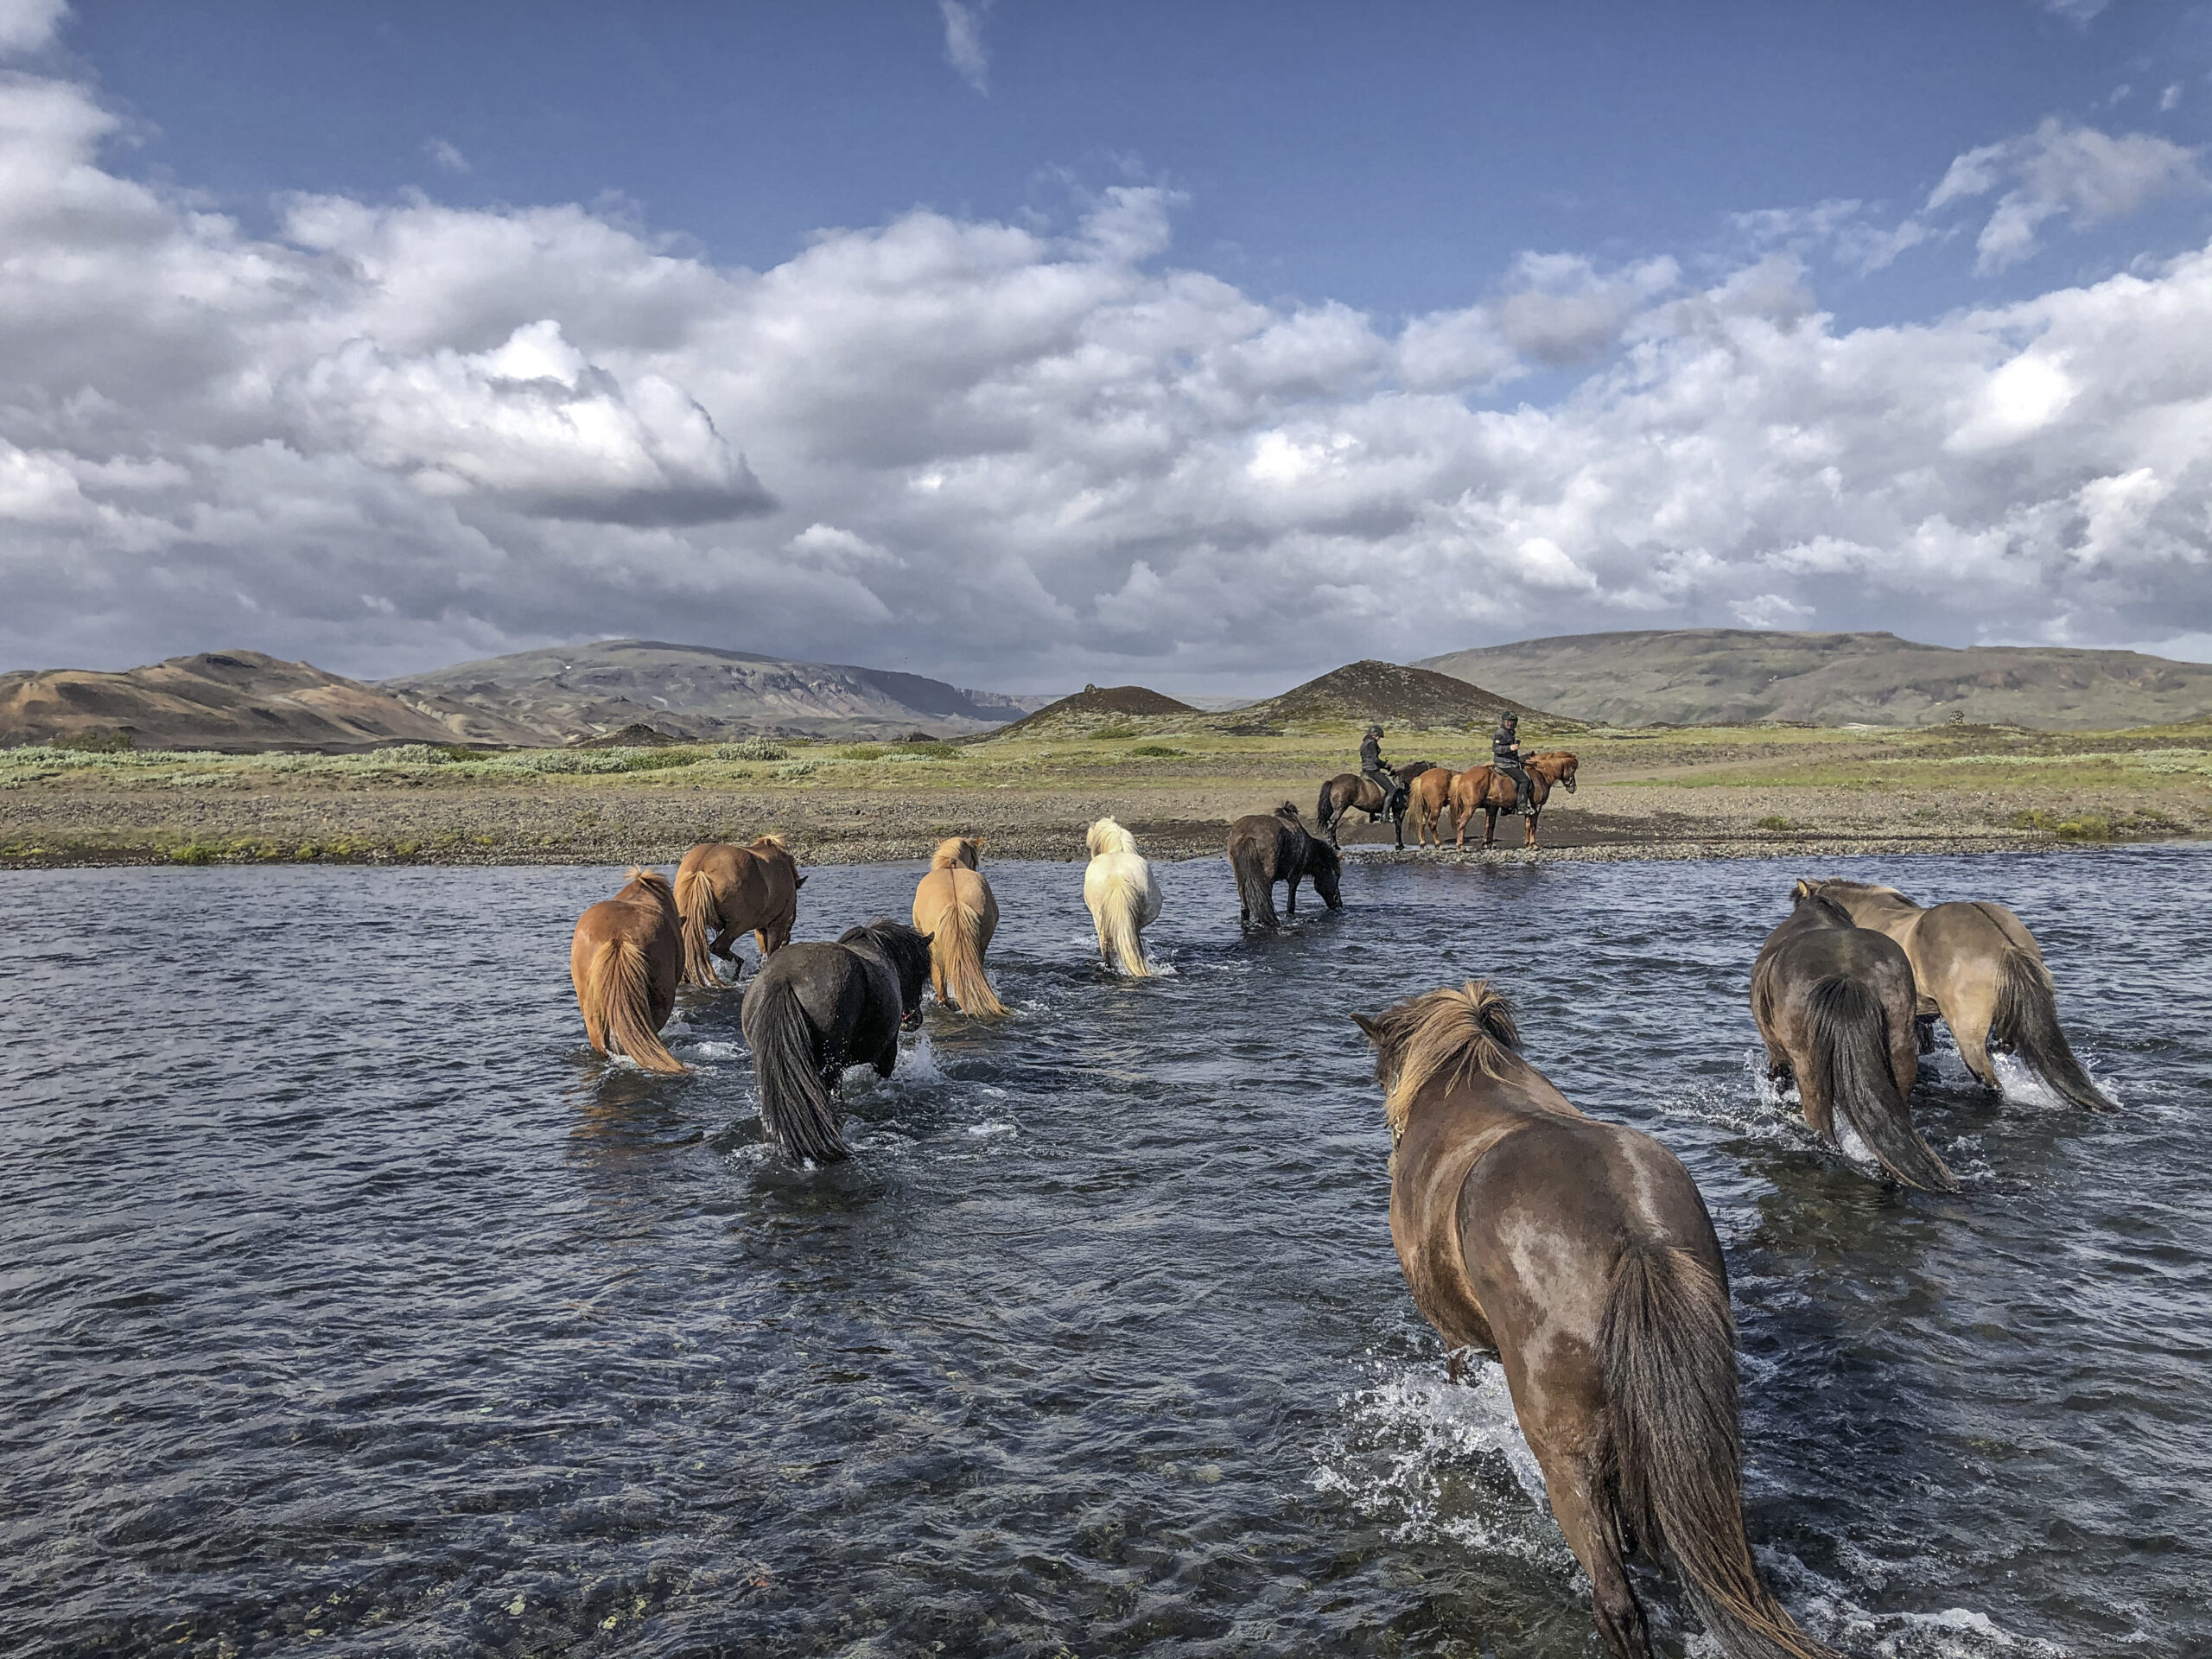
[1371, 754]
[1505, 747]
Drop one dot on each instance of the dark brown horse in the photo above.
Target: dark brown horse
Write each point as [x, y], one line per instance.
[1834, 1003]
[1266, 848]
[1355, 791]
[1580, 1254]
[1489, 791]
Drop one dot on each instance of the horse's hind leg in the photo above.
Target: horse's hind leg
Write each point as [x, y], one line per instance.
[1577, 1489]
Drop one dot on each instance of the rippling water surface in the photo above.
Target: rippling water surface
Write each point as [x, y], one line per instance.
[352, 1305]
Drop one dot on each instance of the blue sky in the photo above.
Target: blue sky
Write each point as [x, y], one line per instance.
[1027, 343]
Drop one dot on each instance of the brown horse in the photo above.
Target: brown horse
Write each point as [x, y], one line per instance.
[725, 891]
[1834, 1005]
[1265, 847]
[1487, 790]
[955, 911]
[1355, 791]
[1427, 799]
[1978, 967]
[625, 959]
[1580, 1254]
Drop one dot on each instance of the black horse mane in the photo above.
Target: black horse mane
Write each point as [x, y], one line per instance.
[1826, 906]
[907, 949]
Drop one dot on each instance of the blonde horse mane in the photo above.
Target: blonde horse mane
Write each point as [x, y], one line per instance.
[955, 852]
[652, 879]
[1108, 837]
[774, 839]
[1446, 1032]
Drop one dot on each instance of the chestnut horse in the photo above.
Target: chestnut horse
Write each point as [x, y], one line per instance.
[1580, 1254]
[725, 891]
[1487, 790]
[1355, 791]
[625, 960]
[1427, 799]
[955, 911]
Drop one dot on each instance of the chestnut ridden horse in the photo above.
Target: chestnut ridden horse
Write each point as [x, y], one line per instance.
[625, 959]
[1488, 791]
[725, 891]
[1580, 1254]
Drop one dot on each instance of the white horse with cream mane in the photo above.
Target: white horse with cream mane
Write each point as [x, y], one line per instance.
[1123, 897]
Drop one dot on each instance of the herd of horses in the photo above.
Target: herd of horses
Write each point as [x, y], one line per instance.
[1577, 1252]
[1430, 794]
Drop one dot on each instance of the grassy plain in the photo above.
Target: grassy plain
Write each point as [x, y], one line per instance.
[1666, 792]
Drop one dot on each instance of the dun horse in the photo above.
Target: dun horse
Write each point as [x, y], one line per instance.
[1267, 848]
[1835, 1005]
[955, 911]
[724, 891]
[625, 959]
[1977, 966]
[1489, 791]
[1122, 894]
[814, 1009]
[1427, 799]
[1355, 791]
[1580, 1254]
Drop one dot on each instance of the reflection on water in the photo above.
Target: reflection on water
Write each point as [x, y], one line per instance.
[351, 1304]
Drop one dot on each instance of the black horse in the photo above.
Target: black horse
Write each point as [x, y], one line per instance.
[1266, 848]
[814, 1009]
[1355, 791]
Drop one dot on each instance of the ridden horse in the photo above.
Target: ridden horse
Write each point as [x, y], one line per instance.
[814, 1009]
[1487, 790]
[1122, 893]
[1265, 847]
[1834, 1005]
[725, 891]
[1355, 791]
[1580, 1254]
[625, 959]
[1427, 799]
[955, 911]
[1977, 966]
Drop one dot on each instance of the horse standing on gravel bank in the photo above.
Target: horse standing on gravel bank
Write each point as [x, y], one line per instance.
[1427, 799]
[1489, 791]
[724, 891]
[1352, 791]
[815, 1009]
[954, 910]
[1123, 896]
[625, 959]
[1834, 1005]
[1267, 847]
[1580, 1254]
[1977, 966]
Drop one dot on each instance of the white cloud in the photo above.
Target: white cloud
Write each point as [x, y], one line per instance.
[30, 25]
[2079, 13]
[2074, 172]
[964, 41]
[400, 433]
[446, 154]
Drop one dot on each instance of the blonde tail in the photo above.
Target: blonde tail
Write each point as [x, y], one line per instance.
[1123, 908]
[696, 903]
[619, 1004]
[957, 962]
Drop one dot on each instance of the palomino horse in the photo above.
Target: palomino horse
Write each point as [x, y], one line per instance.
[725, 891]
[1122, 893]
[1487, 790]
[1977, 966]
[1834, 1003]
[1427, 799]
[625, 959]
[1265, 847]
[1580, 1254]
[814, 1009]
[955, 911]
[1355, 791]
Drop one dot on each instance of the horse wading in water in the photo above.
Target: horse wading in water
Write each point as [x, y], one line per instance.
[1122, 893]
[1489, 791]
[722, 890]
[1977, 966]
[1580, 1254]
[1834, 1005]
[955, 911]
[1265, 847]
[814, 1009]
[625, 959]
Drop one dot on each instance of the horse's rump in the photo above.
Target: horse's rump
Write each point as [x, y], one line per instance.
[797, 1110]
[1123, 899]
[1848, 1030]
[2027, 1023]
[616, 993]
[954, 907]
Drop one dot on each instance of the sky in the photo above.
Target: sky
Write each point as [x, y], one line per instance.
[1028, 343]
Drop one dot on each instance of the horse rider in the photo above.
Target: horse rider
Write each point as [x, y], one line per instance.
[1505, 756]
[1372, 768]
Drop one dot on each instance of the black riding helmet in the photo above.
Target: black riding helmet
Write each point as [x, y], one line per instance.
[1511, 718]
[1374, 731]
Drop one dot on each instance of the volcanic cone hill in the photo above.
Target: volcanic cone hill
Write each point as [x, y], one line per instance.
[1386, 693]
[1094, 707]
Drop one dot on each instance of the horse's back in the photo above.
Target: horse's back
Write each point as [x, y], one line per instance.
[830, 981]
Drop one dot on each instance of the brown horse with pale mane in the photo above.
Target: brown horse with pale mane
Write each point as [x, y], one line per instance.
[625, 959]
[1488, 791]
[1580, 1254]
[1427, 799]
[724, 891]
[955, 911]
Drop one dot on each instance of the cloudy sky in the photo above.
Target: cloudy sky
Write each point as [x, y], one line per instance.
[1041, 341]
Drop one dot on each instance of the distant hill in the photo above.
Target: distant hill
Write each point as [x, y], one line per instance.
[567, 691]
[230, 700]
[1712, 675]
[1092, 706]
[1374, 691]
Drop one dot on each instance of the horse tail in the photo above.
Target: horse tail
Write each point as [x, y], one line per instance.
[1851, 1056]
[796, 1109]
[2027, 1023]
[618, 998]
[1124, 904]
[959, 960]
[1255, 891]
[1324, 809]
[1673, 1447]
[695, 901]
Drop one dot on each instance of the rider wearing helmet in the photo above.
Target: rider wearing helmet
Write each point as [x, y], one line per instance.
[1372, 768]
[1505, 756]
